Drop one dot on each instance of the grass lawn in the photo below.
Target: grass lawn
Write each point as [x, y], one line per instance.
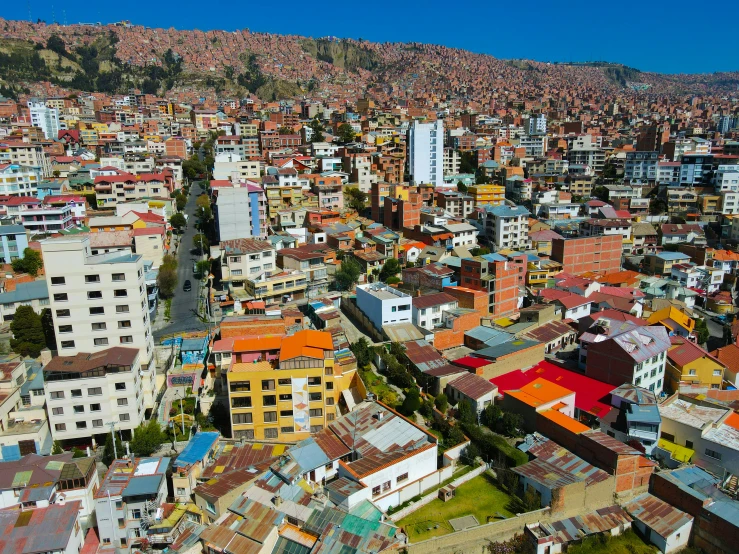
[377, 385]
[626, 543]
[479, 497]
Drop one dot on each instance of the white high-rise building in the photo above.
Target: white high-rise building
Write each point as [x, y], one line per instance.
[99, 301]
[426, 153]
[45, 118]
[537, 124]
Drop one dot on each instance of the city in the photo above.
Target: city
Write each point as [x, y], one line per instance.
[272, 294]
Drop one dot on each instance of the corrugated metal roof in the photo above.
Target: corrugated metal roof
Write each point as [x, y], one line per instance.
[659, 516]
[197, 448]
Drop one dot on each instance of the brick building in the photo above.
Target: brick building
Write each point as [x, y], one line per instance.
[502, 280]
[578, 255]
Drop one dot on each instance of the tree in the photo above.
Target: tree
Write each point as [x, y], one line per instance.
[346, 133]
[480, 251]
[56, 448]
[56, 44]
[203, 268]
[178, 221]
[47, 324]
[357, 200]
[147, 438]
[193, 167]
[181, 202]
[511, 424]
[78, 453]
[348, 274]
[471, 453]
[441, 402]
[109, 451]
[362, 352]
[285, 130]
[467, 162]
[454, 436]
[28, 333]
[601, 193]
[317, 131]
[30, 263]
[390, 269]
[200, 241]
[465, 413]
[657, 206]
[491, 414]
[702, 334]
[461, 187]
[412, 402]
[531, 500]
[167, 280]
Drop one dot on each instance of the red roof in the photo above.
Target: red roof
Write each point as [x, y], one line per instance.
[589, 392]
[471, 362]
[148, 231]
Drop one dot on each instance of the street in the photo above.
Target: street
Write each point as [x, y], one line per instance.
[184, 313]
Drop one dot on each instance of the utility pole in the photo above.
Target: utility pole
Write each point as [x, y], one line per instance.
[112, 435]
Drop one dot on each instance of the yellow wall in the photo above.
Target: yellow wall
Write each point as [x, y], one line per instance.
[704, 368]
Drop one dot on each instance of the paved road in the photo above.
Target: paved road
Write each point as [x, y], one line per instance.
[185, 304]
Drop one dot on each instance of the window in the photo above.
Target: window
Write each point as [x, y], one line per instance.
[97, 310]
[97, 422]
[268, 384]
[62, 313]
[314, 381]
[316, 412]
[101, 342]
[95, 407]
[316, 428]
[120, 293]
[241, 402]
[136, 513]
[57, 411]
[125, 417]
[211, 507]
[123, 401]
[376, 490]
[94, 294]
[386, 486]
[314, 396]
[713, 454]
[287, 430]
[81, 425]
[56, 395]
[57, 280]
[329, 385]
[286, 413]
[122, 309]
[99, 326]
[119, 277]
[688, 444]
[242, 386]
[241, 418]
[120, 386]
[270, 417]
[65, 328]
[60, 427]
[286, 397]
[60, 297]
[126, 339]
[92, 278]
[67, 344]
[125, 324]
[79, 409]
[270, 433]
[717, 373]
[283, 382]
[329, 401]
[401, 478]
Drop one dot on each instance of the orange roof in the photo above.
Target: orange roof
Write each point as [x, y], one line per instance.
[308, 343]
[258, 343]
[732, 420]
[565, 421]
[538, 392]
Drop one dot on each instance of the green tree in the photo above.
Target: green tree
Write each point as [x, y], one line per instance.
[317, 127]
[78, 453]
[178, 221]
[412, 402]
[465, 413]
[601, 193]
[468, 162]
[390, 269]
[28, 333]
[356, 199]
[285, 130]
[203, 267]
[362, 352]
[531, 500]
[147, 438]
[441, 402]
[181, 201]
[461, 187]
[702, 334]
[346, 133]
[193, 167]
[167, 280]
[200, 241]
[109, 452]
[47, 324]
[454, 436]
[348, 274]
[512, 424]
[30, 263]
[657, 206]
[56, 448]
[491, 414]
[480, 251]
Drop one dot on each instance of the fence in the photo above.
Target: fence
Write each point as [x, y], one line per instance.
[397, 516]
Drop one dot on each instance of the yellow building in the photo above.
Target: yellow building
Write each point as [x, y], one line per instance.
[288, 398]
[689, 363]
[487, 195]
[676, 322]
[275, 287]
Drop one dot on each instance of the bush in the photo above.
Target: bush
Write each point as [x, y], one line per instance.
[441, 402]
[494, 447]
[411, 403]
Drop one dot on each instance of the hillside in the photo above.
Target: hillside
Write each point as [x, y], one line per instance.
[114, 58]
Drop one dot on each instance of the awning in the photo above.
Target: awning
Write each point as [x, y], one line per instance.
[679, 453]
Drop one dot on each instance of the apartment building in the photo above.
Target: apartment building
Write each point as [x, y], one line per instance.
[291, 397]
[18, 180]
[696, 170]
[88, 392]
[727, 178]
[452, 161]
[426, 152]
[457, 204]
[28, 155]
[243, 259]
[505, 226]
[487, 195]
[504, 281]
[312, 262]
[129, 501]
[45, 118]
[278, 287]
[48, 219]
[384, 305]
[582, 254]
[13, 241]
[98, 301]
[241, 212]
[641, 167]
[126, 187]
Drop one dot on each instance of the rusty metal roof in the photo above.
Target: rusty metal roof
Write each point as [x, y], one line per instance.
[40, 530]
[576, 528]
[659, 516]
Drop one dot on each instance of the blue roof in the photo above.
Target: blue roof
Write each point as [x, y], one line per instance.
[643, 414]
[197, 345]
[35, 290]
[507, 211]
[493, 257]
[489, 336]
[143, 485]
[506, 348]
[12, 230]
[672, 256]
[197, 449]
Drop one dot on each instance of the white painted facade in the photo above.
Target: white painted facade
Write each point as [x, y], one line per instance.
[384, 305]
[426, 152]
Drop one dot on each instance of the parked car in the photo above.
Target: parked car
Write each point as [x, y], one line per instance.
[187, 287]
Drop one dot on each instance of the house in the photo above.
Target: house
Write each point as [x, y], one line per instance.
[573, 306]
[635, 418]
[674, 233]
[728, 356]
[537, 396]
[473, 389]
[554, 334]
[190, 463]
[663, 525]
[688, 363]
[662, 262]
[427, 310]
[384, 305]
[34, 294]
[14, 241]
[55, 528]
[677, 322]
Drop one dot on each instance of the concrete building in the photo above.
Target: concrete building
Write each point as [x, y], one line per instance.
[688, 363]
[55, 528]
[641, 167]
[243, 259]
[18, 180]
[98, 301]
[426, 152]
[45, 118]
[34, 294]
[128, 501]
[504, 226]
[384, 305]
[241, 213]
[14, 241]
[26, 154]
[579, 255]
[663, 525]
[635, 418]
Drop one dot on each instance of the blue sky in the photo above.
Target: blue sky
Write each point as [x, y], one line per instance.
[644, 35]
